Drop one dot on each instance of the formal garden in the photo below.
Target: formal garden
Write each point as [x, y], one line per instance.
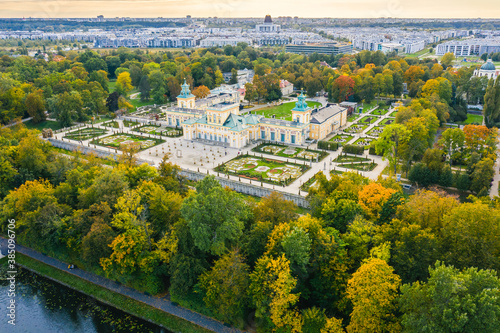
[376, 131]
[355, 162]
[368, 120]
[85, 133]
[159, 130]
[310, 183]
[341, 138]
[380, 111]
[116, 140]
[356, 128]
[290, 152]
[387, 121]
[363, 142]
[111, 124]
[263, 169]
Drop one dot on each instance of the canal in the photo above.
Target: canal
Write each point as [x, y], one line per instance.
[43, 305]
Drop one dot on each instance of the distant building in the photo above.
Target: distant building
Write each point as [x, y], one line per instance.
[473, 46]
[244, 76]
[286, 87]
[488, 69]
[321, 48]
[268, 26]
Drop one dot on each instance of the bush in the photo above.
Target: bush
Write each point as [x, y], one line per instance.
[353, 149]
[327, 145]
[372, 151]
[462, 181]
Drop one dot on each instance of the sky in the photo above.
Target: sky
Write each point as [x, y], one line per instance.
[252, 8]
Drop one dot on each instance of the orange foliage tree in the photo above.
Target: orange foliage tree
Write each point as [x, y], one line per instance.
[201, 92]
[372, 197]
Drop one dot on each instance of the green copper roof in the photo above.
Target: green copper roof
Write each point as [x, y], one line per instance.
[301, 104]
[185, 92]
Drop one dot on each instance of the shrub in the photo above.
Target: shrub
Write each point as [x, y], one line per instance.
[353, 149]
[327, 145]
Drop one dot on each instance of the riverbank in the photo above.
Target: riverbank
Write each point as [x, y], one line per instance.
[106, 296]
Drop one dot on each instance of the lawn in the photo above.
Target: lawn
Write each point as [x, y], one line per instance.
[263, 169]
[54, 125]
[368, 120]
[112, 86]
[85, 133]
[376, 131]
[368, 106]
[341, 138]
[363, 142]
[283, 110]
[380, 112]
[353, 117]
[418, 54]
[349, 158]
[473, 119]
[137, 103]
[128, 123]
[113, 124]
[290, 152]
[159, 130]
[356, 128]
[100, 119]
[115, 140]
[363, 166]
[311, 182]
[387, 121]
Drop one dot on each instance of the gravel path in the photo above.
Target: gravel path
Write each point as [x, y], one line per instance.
[159, 303]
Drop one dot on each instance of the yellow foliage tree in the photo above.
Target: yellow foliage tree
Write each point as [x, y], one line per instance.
[373, 291]
[372, 197]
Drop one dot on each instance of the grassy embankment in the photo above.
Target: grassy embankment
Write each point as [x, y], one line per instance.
[107, 296]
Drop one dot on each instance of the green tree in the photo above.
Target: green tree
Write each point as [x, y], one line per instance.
[215, 216]
[491, 110]
[452, 301]
[144, 88]
[35, 105]
[447, 59]
[390, 141]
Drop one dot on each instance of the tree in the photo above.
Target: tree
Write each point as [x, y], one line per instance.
[226, 287]
[123, 84]
[68, 108]
[144, 88]
[271, 286]
[452, 301]
[471, 235]
[96, 243]
[234, 76]
[35, 105]
[417, 140]
[482, 175]
[453, 140]
[390, 141]
[112, 101]
[372, 197]
[373, 291]
[339, 212]
[201, 92]
[158, 86]
[275, 209]
[447, 59]
[342, 88]
[491, 109]
[215, 216]
[250, 92]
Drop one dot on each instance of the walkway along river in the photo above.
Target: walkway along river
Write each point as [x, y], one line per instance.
[159, 303]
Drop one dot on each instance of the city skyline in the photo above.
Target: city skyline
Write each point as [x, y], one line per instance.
[239, 8]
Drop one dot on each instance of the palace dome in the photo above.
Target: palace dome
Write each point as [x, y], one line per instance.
[488, 66]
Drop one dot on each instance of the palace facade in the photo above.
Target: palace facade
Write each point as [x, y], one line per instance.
[217, 119]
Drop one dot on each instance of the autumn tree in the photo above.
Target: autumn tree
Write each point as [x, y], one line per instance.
[124, 84]
[271, 286]
[447, 59]
[453, 140]
[275, 209]
[373, 291]
[342, 88]
[372, 198]
[201, 92]
[226, 287]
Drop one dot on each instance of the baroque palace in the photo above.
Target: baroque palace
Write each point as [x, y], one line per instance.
[217, 119]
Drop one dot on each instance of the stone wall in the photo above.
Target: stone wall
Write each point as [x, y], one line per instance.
[250, 189]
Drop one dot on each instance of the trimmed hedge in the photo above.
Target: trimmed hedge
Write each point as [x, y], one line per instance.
[327, 145]
[353, 149]
[372, 151]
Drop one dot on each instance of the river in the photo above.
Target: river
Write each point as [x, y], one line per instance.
[43, 305]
